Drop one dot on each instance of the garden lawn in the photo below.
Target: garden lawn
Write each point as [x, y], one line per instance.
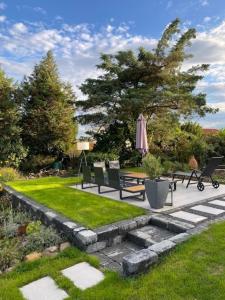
[82, 207]
[194, 270]
[134, 169]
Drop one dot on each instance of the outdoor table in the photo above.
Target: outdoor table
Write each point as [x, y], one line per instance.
[134, 175]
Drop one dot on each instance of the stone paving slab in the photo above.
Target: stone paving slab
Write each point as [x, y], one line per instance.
[208, 210]
[193, 218]
[117, 252]
[83, 275]
[218, 203]
[43, 289]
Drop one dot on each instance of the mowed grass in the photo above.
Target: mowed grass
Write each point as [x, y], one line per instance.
[134, 169]
[194, 270]
[82, 207]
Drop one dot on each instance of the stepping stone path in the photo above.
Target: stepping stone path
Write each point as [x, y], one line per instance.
[43, 289]
[82, 275]
[218, 203]
[188, 216]
[208, 210]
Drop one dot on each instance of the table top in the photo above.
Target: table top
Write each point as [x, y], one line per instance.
[135, 175]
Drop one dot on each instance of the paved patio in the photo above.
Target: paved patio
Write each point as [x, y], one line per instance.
[181, 197]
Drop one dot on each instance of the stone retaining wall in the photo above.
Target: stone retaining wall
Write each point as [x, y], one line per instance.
[85, 239]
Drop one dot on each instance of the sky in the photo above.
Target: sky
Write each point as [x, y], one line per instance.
[77, 31]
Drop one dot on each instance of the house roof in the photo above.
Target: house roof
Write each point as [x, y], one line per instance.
[210, 131]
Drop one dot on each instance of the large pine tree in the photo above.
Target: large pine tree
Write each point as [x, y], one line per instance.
[153, 83]
[149, 82]
[11, 149]
[48, 122]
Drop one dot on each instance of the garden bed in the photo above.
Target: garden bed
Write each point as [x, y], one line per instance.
[24, 238]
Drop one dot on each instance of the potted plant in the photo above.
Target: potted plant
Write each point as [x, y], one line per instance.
[156, 189]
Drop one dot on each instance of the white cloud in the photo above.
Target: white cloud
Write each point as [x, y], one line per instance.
[40, 10]
[207, 19]
[77, 48]
[2, 5]
[204, 2]
[2, 19]
[18, 28]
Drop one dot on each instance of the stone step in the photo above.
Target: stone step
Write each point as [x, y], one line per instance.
[149, 235]
[170, 223]
[217, 203]
[189, 217]
[207, 211]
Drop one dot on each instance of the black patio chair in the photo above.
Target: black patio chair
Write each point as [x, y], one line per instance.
[87, 177]
[115, 182]
[100, 178]
[208, 171]
[100, 164]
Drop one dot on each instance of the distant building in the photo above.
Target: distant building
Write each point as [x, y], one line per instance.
[210, 131]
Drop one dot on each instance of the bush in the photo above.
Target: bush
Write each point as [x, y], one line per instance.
[34, 227]
[100, 156]
[8, 254]
[39, 240]
[172, 166]
[37, 162]
[9, 174]
[9, 228]
[152, 166]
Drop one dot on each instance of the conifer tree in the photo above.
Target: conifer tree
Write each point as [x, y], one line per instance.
[150, 82]
[11, 149]
[48, 122]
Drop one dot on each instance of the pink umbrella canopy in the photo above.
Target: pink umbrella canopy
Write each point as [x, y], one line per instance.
[141, 135]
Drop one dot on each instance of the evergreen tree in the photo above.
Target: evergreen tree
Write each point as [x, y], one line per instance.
[150, 82]
[11, 149]
[48, 122]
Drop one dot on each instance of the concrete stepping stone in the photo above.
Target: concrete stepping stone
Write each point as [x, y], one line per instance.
[218, 202]
[43, 289]
[83, 275]
[188, 216]
[208, 210]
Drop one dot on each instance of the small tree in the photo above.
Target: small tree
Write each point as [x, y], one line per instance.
[11, 149]
[152, 166]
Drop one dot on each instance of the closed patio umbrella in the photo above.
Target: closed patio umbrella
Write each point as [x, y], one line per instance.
[141, 135]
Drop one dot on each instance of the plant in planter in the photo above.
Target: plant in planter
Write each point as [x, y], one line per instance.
[156, 189]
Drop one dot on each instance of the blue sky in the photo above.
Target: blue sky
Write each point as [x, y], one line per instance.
[77, 31]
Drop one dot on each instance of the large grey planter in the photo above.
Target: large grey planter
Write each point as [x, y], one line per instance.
[156, 191]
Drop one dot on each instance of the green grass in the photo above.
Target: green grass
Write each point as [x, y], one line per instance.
[134, 169]
[194, 270]
[82, 207]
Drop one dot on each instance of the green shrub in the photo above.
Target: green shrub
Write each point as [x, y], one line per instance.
[37, 162]
[9, 228]
[172, 166]
[99, 156]
[8, 254]
[169, 166]
[9, 174]
[152, 166]
[38, 241]
[21, 217]
[34, 227]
